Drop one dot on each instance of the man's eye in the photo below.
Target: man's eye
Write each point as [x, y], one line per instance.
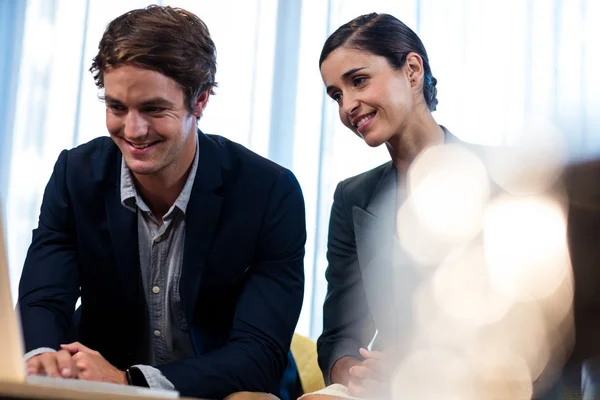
[337, 97]
[154, 110]
[116, 107]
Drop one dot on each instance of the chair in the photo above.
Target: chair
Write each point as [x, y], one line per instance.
[304, 351]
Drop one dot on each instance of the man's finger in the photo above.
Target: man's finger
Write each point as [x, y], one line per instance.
[33, 365]
[76, 347]
[77, 357]
[82, 366]
[65, 364]
[49, 365]
[72, 348]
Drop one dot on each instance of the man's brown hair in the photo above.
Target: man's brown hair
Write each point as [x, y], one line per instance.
[172, 41]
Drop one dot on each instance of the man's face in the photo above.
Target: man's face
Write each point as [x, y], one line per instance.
[147, 118]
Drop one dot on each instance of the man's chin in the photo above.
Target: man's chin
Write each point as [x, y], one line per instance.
[144, 172]
[142, 168]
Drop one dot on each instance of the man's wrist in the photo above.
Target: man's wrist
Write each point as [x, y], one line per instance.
[135, 377]
[36, 352]
[123, 376]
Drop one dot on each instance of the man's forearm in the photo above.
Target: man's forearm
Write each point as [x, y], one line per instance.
[232, 368]
[340, 372]
[251, 396]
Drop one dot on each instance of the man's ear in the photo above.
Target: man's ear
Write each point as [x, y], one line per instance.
[201, 102]
[414, 68]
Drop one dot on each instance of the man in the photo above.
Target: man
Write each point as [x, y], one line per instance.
[186, 249]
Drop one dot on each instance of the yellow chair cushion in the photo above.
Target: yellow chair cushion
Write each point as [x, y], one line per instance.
[304, 351]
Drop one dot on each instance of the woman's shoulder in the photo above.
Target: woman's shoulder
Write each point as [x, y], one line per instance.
[359, 188]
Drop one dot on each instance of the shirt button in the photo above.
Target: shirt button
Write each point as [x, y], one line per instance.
[157, 333]
[158, 239]
[155, 290]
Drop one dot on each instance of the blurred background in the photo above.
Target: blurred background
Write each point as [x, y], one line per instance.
[498, 63]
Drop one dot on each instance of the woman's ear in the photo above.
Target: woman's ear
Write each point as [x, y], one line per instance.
[414, 68]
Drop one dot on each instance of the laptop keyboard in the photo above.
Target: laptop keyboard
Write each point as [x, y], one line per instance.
[99, 387]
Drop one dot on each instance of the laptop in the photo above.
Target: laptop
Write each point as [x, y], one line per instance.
[12, 365]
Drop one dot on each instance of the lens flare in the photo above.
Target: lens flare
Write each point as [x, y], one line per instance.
[434, 374]
[534, 164]
[450, 188]
[463, 289]
[421, 243]
[525, 245]
[448, 192]
[493, 313]
[501, 374]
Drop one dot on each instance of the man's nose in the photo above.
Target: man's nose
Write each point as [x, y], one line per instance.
[136, 125]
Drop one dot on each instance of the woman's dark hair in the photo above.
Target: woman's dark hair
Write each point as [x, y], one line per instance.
[386, 36]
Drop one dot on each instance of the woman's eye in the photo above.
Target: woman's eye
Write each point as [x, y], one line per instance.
[359, 80]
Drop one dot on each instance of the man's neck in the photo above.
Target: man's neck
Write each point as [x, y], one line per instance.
[160, 194]
[161, 190]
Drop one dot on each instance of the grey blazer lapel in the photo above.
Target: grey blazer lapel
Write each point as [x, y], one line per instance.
[374, 230]
[389, 292]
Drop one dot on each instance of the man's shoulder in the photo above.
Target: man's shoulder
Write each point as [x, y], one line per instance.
[97, 150]
[91, 162]
[239, 161]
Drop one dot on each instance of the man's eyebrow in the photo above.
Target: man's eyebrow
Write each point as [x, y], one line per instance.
[155, 101]
[109, 99]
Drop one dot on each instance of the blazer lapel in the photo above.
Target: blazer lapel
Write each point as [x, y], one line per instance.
[389, 290]
[201, 220]
[124, 238]
[449, 137]
[374, 230]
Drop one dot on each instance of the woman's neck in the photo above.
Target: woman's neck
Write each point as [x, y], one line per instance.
[419, 133]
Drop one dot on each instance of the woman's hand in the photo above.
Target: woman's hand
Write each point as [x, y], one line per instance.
[372, 376]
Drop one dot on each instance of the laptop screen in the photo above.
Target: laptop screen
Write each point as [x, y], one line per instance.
[12, 366]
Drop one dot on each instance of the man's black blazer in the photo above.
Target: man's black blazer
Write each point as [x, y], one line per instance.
[242, 279]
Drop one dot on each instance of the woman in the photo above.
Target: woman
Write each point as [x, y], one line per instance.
[377, 70]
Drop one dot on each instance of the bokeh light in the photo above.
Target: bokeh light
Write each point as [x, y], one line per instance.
[433, 374]
[450, 189]
[448, 192]
[493, 312]
[463, 289]
[526, 246]
[534, 164]
[501, 374]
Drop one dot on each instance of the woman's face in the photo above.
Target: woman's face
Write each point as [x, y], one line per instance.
[374, 99]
